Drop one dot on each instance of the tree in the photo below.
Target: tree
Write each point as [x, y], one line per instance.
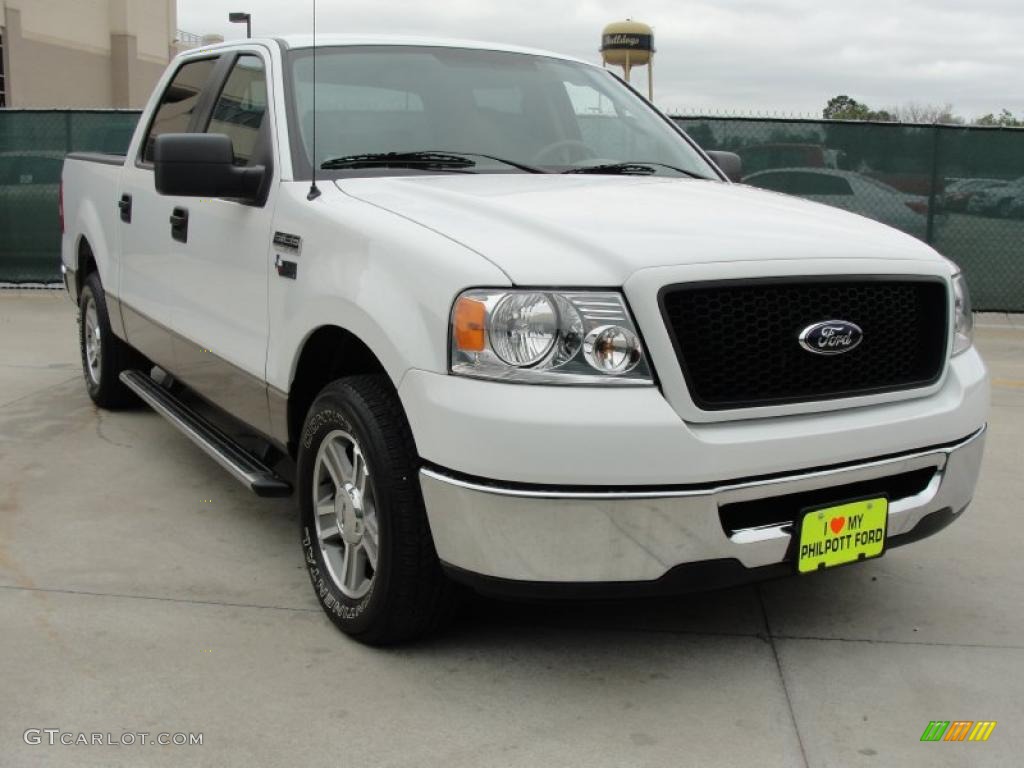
[843, 107]
[912, 112]
[1004, 118]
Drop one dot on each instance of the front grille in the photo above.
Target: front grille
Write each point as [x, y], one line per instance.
[737, 340]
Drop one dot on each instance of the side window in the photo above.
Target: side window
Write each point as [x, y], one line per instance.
[823, 184]
[179, 101]
[242, 107]
[776, 182]
[800, 183]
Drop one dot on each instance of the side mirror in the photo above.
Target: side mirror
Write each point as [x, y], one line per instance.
[729, 163]
[203, 165]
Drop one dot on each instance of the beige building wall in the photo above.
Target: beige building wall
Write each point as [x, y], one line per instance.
[85, 53]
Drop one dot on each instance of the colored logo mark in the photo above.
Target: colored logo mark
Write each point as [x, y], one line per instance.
[958, 730]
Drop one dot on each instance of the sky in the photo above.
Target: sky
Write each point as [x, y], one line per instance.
[743, 56]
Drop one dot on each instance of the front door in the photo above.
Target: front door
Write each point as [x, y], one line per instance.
[220, 251]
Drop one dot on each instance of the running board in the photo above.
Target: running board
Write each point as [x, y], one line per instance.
[242, 465]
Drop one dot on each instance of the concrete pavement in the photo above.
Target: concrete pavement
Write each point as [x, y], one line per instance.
[143, 590]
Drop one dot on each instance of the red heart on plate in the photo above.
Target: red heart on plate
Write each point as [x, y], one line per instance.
[837, 524]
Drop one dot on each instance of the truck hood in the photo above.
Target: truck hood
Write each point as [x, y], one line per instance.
[598, 230]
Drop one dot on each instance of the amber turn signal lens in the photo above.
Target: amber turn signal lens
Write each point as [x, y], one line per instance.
[468, 321]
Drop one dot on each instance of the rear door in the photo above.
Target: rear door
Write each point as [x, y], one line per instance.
[221, 263]
[146, 287]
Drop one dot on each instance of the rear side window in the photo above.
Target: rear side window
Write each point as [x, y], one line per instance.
[177, 105]
[776, 182]
[822, 184]
[800, 183]
[242, 107]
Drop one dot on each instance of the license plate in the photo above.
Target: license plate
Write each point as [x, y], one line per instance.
[842, 534]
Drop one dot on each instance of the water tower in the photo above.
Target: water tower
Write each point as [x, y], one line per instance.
[629, 44]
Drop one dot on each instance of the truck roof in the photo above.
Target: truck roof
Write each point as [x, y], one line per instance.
[329, 40]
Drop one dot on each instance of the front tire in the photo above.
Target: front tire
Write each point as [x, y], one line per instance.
[104, 356]
[365, 535]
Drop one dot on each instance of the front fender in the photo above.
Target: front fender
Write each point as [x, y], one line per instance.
[385, 279]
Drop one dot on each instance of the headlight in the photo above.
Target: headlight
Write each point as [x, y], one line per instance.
[547, 337]
[963, 319]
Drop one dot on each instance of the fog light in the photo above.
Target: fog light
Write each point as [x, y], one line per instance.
[612, 349]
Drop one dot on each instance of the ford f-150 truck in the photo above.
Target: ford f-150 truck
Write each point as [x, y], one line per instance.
[500, 323]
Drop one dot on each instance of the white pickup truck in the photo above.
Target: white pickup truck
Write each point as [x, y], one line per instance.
[500, 323]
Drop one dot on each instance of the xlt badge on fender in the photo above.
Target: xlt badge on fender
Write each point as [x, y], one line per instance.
[831, 337]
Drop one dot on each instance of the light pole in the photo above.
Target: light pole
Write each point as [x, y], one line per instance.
[238, 18]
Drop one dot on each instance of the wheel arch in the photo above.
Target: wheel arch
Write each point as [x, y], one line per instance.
[328, 352]
[87, 237]
[86, 263]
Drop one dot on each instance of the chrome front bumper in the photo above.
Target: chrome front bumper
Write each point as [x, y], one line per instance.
[531, 534]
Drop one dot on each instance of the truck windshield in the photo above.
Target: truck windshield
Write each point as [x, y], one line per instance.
[511, 112]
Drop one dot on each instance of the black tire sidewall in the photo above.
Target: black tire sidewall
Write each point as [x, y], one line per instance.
[101, 391]
[337, 408]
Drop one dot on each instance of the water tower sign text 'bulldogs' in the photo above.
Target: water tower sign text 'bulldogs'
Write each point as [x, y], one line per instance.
[629, 44]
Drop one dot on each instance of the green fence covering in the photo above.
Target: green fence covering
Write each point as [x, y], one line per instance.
[32, 148]
[961, 189]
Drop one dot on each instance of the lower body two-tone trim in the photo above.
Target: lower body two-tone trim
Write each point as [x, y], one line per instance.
[237, 392]
[551, 542]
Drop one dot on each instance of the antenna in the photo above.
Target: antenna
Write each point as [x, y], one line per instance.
[314, 190]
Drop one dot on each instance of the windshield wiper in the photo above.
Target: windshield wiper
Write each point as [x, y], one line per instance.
[428, 160]
[434, 160]
[632, 168]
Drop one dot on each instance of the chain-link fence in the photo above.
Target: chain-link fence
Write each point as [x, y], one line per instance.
[32, 148]
[959, 188]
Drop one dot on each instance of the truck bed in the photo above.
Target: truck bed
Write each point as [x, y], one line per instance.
[91, 183]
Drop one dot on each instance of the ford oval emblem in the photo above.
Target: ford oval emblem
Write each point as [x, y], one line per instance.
[831, 337]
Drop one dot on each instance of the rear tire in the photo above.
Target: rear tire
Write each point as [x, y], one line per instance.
[104, 355]
[365, 535]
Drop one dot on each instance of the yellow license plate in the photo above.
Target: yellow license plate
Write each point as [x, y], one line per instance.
[842, 534]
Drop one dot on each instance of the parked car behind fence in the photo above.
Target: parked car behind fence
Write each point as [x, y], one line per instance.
[959, 193]
[850, 191]
[1003, 202]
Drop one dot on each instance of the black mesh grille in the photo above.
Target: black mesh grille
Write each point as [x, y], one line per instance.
[737, 341]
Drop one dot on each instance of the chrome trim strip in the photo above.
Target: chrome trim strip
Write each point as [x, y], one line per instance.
[919, 499]
[497, 490]
[761, 533]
